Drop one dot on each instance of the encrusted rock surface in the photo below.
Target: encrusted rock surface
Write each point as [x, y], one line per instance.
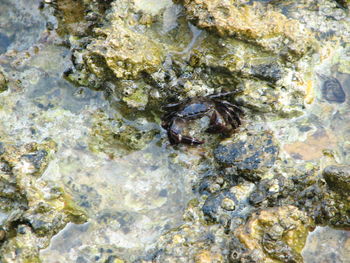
[254, 23]
[272, 235]
[257, 198]
[3, 81]
[250, 154]
[34, 210]
[126, 53]
[338, 178]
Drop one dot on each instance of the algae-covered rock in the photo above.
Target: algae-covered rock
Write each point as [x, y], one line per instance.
[272, 235]
[3, 82]
[338, 178]
[255, 23]
[26, 244]
[112, 136]
[193, 242]
[343, 3]
[251, 154]
[33, 210]
[124, 52]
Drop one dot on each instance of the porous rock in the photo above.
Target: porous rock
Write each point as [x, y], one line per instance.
[251, 154]
[338, 178]
[272, 235]
[254, 23]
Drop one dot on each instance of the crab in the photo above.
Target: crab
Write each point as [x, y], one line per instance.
[224, 116]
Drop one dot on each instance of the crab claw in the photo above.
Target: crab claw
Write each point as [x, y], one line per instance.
[176, 138]
[190, 140]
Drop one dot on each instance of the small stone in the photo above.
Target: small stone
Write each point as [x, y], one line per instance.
[228, 204]
[214, 188]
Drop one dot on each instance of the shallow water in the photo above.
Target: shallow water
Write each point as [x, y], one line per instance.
[131, 197]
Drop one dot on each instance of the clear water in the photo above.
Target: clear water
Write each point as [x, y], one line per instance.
[131, 197]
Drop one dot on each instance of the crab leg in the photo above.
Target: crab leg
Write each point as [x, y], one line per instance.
[230, 116]
[230, 105]
[233, 116]
[217, 123]
[175, 136]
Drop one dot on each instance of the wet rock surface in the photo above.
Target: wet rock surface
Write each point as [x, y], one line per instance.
[253, 23]
[32, 210]
[257, 193]
[250, 154]
[332, 90]
[338, 178]
[272, 234]
[3, 81]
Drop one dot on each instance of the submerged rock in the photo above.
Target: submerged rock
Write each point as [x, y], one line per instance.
[33, 210]
[332, 90]
[140, 59]
[110, 136]
[272, 235]
[251, 154]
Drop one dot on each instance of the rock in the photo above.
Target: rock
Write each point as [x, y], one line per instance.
[3, 82]
[206, 256]
[255, 23]
[338, 178]
[123, 52]
[193, 242]
[272, 235]
[332, 90]
[238, 58]
[25, 243]
[34, 210]
[228, 204]
[343, 3]
[107, 136]
[218, 207]
[35, 160]
[225, 206]
[250, 154]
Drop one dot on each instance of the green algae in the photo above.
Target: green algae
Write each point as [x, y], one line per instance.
[3, 82]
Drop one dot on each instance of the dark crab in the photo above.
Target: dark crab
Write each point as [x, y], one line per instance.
[224, 116]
